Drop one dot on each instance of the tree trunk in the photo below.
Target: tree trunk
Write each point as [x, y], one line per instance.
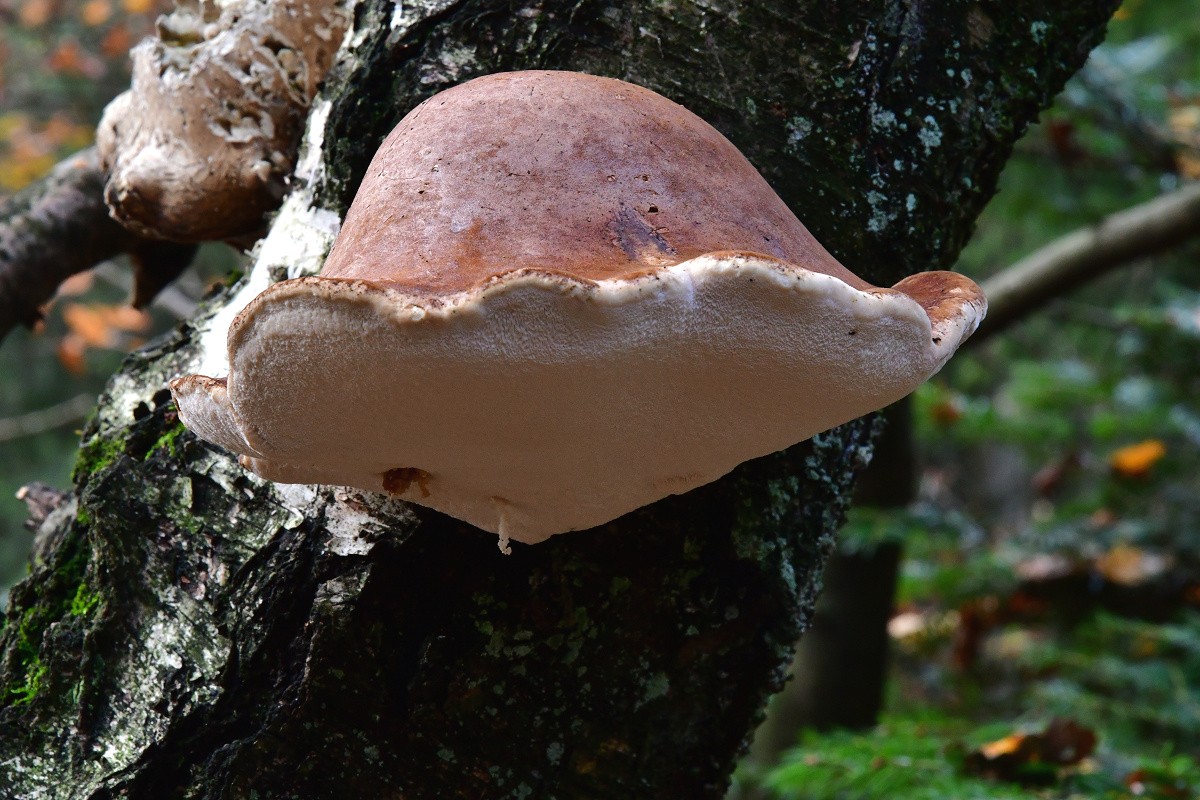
[190, 631]
[839, 673]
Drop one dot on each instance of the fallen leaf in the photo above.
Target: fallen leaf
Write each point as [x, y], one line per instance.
[35, 13]
[116, 41]
[18, 171]
[947, 411]
[61, 132]
[127, 318]
[1007, 746]
[1130, 566]
[69, 58]
[1136, 460]
[1047, 480]
[77, 284]
[1033, 757]
[99, 325]
[906, 624]
[1066, 742]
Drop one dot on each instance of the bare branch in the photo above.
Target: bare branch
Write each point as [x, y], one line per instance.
[1135, 233]
[51, 230]
[44, 419]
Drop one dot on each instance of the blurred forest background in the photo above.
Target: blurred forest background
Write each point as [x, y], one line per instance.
[1045, 638]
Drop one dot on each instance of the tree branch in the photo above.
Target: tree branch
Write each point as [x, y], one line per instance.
[44, 419]
[59, 226]
[1063, 265]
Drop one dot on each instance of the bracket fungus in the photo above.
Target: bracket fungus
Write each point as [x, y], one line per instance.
[200, 147]
[557, 298]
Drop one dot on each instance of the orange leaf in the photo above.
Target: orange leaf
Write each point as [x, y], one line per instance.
[96, 12]
[116, 41]
[67, 57]
[35, 13]
[947, 411]
[1136, 460]
[1002, 747]
[70, 352]
[99, 325]
[127, 318]
[137, 6]
[77, 284]
[1129, 566]
[90, 325]
[1064, 743]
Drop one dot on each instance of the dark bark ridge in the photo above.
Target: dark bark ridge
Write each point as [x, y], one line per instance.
[194, 632]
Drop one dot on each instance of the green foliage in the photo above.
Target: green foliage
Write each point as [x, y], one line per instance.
[900, 759]
[1135, 683]
[1138, 681]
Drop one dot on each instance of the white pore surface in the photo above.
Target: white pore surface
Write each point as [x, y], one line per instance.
[539, 405]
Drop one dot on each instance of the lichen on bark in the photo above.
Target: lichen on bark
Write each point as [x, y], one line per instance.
[237, 637]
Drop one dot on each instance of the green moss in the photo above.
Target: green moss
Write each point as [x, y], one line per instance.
[29, 663]
[167, 440]
[63, 594]
[95, 454]
[84, 601]
[26, 691]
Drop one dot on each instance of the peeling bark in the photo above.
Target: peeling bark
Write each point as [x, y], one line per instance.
[194, 632]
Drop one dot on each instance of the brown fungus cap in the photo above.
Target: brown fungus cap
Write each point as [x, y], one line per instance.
[557, 298]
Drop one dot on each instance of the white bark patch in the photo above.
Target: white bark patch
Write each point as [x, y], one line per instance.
[297, 245]
[407, 14]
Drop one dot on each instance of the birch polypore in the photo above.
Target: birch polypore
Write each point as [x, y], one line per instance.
[201, 145]
[557, 298]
